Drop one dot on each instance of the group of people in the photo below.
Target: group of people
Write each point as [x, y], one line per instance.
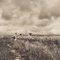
[18, 35]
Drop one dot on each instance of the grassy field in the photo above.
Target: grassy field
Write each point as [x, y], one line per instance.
[45, 48]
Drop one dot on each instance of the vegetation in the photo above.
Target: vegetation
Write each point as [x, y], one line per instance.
[29, 49]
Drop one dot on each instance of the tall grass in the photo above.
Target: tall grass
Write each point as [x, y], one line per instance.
[29, 49]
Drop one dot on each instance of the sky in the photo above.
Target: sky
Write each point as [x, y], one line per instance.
[24, 16]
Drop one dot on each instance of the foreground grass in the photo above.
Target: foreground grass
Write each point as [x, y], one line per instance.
[29, 49]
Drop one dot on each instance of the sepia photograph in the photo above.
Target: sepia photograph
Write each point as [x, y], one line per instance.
[29, 29]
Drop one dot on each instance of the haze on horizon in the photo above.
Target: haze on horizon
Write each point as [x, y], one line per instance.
[37, 16]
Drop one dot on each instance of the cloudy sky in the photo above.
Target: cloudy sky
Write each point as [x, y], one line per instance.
[38, 16]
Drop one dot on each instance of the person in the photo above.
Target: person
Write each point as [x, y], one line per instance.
[30, 34]
[20, 34]
[15, 36]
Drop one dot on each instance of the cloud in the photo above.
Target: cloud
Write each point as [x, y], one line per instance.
[6, 16]
[55, 26]
[23, 5]
[32, 16]
[49, 8]
[55, 11]
[1, 1]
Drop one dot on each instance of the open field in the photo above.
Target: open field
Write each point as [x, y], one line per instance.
[25, 48]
